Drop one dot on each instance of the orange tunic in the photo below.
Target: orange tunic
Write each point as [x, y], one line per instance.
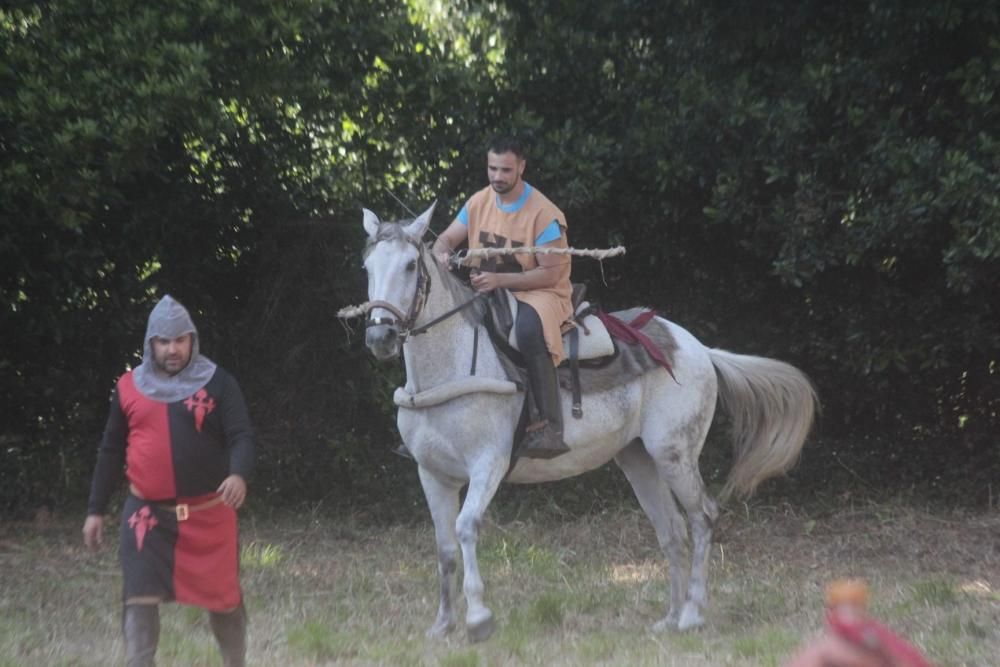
[495, 225]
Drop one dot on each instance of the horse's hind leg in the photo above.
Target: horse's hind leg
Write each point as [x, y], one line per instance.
[658, 504]
[483, 483]
[683, 478]
[442, 499]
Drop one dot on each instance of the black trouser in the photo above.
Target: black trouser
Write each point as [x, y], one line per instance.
[530, 335]
[141, 625]
[541, 372]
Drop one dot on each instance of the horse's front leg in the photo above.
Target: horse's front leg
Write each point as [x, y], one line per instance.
[483, 483]
[442, 499]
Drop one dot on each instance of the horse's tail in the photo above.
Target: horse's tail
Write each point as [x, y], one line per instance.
[772, 405]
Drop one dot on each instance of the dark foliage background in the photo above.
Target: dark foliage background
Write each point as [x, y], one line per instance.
[811, 181]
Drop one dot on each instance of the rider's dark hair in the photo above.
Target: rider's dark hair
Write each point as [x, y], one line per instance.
[507, 143]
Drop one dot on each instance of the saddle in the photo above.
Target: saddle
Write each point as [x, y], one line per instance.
[584, 334]
[594, 359]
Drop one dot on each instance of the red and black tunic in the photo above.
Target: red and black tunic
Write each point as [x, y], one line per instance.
[176, 453]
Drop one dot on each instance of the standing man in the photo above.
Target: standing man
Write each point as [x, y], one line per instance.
[179, 426]
[509, 213]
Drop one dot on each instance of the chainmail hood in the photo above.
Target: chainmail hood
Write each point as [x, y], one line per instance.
[169, 319]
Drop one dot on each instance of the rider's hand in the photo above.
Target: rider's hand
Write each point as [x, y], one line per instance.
[93, 531]
[485, 281]
[442, 258]
[442, 253]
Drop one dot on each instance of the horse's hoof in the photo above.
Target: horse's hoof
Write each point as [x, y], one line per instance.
[667, 624]
[481, 630]
[690, 617]
[440, 629]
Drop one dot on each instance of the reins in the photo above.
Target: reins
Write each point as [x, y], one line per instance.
[441, 318]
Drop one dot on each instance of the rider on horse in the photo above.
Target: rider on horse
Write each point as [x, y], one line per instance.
[510, 213]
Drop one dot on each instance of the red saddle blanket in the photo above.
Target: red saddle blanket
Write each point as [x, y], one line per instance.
[631, 333]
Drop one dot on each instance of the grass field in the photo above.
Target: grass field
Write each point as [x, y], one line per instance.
[334, 590]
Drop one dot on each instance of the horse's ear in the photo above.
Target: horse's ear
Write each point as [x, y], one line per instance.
[415, 230]
[371, 223]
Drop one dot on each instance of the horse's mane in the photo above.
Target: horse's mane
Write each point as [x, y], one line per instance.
[460, 291]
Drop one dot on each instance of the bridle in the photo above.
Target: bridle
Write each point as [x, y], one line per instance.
[404, 322]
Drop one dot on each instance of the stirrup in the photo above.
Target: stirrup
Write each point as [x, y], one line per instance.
[541, 442]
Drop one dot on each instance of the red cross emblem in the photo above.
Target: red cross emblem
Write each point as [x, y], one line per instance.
[141, 521]
[200, 404]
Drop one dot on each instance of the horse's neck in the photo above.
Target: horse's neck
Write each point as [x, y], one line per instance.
[444, 352]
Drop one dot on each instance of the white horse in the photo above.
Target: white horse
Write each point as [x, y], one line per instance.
[460, 428]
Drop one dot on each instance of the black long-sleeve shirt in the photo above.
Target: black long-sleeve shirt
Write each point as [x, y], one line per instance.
[173, 450]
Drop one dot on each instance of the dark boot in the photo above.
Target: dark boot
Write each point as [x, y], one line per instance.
[141, 626]
[230, 630]
[544, 439]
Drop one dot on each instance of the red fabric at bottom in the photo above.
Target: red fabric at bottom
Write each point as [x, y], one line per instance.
[876, 638]
[206, 558]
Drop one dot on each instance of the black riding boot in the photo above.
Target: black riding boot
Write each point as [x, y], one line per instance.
[141, 626]
[230, 630]
[544, 439]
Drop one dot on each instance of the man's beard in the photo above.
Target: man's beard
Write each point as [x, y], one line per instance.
[170, 366]
[504, 188]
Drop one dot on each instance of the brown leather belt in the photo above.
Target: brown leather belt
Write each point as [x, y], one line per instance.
[181, 510]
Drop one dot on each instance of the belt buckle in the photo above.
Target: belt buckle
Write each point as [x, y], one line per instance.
[183, 511]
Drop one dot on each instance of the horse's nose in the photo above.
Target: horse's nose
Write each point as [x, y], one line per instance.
[382, 340]
[380, 334]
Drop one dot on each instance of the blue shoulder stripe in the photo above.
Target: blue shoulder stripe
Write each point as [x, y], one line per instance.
[549, 234]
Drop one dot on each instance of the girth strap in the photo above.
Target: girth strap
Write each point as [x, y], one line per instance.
[574, 371]
[475, 349]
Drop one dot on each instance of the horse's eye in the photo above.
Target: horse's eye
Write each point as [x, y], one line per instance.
[412, 265]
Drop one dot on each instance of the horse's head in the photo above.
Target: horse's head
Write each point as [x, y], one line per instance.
[397, 280]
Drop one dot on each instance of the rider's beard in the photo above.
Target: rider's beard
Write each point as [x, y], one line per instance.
[502, 187]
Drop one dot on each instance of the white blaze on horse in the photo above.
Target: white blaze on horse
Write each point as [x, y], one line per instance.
[460, 428]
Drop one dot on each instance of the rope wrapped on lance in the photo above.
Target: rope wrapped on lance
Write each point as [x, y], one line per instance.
[466, 256]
